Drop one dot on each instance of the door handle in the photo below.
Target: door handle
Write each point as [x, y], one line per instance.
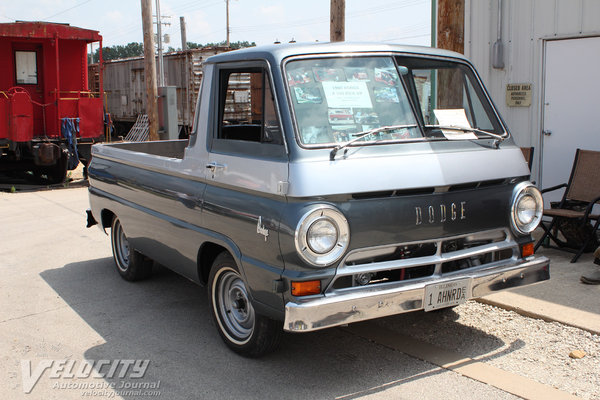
[547, 132]
[213, 166]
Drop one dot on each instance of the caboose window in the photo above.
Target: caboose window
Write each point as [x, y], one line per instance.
[26, 67]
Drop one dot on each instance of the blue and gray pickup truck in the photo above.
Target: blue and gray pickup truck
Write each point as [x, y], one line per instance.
[326, 184]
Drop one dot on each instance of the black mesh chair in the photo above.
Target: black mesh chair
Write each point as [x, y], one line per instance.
[575, 209]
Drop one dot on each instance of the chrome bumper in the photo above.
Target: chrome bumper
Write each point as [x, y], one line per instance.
[363, 304]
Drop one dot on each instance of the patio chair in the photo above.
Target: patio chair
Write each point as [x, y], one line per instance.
[576, 207]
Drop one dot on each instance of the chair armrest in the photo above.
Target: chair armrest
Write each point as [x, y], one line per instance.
[562, 185]
[590, 206]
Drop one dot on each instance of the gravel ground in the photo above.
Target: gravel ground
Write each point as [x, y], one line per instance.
[528, 347]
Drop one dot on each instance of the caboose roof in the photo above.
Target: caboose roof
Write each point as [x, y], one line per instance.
[47, 30]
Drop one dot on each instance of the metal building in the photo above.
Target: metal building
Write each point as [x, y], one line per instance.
[126, 91]
[539, 60]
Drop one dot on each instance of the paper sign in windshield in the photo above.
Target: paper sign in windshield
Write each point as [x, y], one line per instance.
[347, 94]
[454, 118]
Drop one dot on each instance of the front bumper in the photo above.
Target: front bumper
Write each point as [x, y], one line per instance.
[363, 304]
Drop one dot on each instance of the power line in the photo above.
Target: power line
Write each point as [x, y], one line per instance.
[325, 19]
[190, 6]
[68, 9]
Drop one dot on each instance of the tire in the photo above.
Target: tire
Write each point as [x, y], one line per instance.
[131, 265]
[242, 329]
[55, 174]
[58, 172]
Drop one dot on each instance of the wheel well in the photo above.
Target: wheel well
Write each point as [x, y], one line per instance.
[206, 255]
[106, 217]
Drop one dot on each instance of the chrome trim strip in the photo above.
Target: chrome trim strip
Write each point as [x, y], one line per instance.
[331, 310]
[427, 260]
[438, 258]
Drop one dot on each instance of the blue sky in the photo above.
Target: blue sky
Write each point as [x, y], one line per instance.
[261, 21]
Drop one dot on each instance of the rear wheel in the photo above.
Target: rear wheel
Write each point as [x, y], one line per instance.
[241, 328]
[131, 265]
[55, 174]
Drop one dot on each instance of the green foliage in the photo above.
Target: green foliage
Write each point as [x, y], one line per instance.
[233, 45]
[132, 49]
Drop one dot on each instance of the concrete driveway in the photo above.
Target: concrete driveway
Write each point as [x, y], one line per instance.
[65, 308]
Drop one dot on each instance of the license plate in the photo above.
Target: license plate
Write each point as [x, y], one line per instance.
[446, 294]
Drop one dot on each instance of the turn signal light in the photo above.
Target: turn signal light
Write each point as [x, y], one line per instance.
[306, 288]
[527, 250]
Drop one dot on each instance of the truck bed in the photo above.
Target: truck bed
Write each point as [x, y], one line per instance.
[166, 154]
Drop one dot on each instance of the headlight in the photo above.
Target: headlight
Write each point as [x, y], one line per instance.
[527, 208]
[322, 235]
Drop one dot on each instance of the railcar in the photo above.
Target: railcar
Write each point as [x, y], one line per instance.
[48, 117]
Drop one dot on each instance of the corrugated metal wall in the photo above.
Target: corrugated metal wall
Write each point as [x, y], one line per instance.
[126, 90]
[526, 25]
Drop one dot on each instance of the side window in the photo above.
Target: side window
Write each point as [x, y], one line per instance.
[26, 67]
[247, 108]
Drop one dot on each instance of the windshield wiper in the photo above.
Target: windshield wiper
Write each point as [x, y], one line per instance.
[360, 135]
[497, 138]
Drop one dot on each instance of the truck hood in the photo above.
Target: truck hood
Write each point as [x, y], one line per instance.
[400, 172]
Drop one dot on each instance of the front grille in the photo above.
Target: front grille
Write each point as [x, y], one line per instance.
[412, 261]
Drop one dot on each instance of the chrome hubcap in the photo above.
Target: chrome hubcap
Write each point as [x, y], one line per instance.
[121, 247]
[234, 307]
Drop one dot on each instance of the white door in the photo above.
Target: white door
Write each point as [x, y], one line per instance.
[571, 107]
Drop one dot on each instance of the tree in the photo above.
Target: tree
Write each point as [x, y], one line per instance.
[233, 45]
[132, 49]
[135, 49]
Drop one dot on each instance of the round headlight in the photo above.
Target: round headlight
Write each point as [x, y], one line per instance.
[322, 235]
[527, 208]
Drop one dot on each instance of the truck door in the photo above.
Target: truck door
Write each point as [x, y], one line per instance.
[247, 172]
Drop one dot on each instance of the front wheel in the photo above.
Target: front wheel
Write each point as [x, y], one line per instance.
[241, 328]
[131, 265]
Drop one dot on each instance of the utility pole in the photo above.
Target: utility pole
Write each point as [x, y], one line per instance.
[150, 70]
[450, 36]
[227, 12]
[451, 25]
[183, 34]
[337, 12]
[161, 66]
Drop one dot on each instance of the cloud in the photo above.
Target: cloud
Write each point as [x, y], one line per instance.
[199, 30]
[114, 16]
[276, 10]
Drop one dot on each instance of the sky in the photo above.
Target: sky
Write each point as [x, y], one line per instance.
[260, 21]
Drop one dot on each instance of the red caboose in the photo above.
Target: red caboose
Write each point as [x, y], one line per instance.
[48, 117]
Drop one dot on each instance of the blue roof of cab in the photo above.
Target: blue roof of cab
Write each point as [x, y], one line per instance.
[277, 52]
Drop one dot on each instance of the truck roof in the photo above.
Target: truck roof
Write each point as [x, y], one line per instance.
[277, 52]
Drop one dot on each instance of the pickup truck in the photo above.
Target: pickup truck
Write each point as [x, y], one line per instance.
[295, 227]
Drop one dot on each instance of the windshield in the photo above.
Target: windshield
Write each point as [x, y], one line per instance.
[336, 98]
[449, 95]
[340, 100]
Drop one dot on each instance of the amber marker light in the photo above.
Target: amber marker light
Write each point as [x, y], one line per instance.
[306, 288]
[527, 250]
